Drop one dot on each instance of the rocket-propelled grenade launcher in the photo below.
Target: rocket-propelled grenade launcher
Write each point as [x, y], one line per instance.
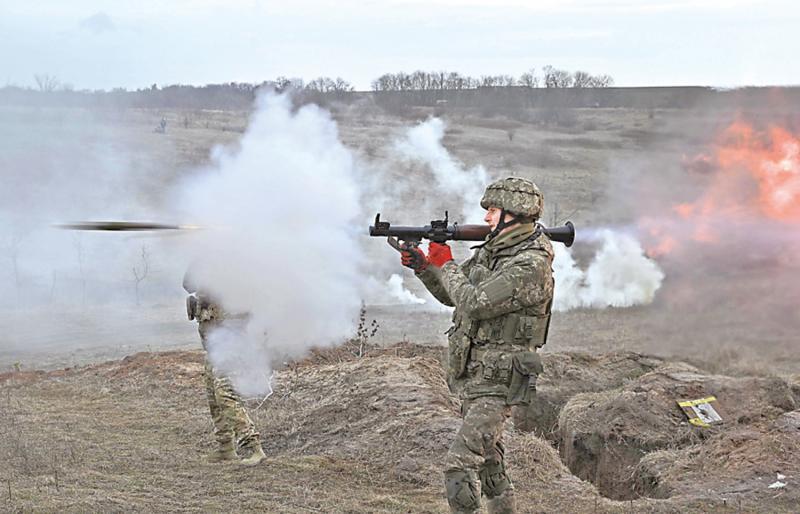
[440, 231]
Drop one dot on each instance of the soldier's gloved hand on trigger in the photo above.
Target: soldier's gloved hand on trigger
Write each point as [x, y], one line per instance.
[414, 258]
[439, 254]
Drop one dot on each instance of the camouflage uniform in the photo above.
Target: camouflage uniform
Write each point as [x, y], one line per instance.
[502, 297]
[233, 426]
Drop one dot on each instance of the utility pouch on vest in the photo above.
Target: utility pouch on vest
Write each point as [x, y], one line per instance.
[191, 306]
[496, 366]
[526, 367]
[529, 331]
[458, 347]
[458, 356]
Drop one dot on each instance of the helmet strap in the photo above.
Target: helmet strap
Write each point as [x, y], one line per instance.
[502, 224]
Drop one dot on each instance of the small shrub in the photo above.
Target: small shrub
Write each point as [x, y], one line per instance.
[359, 344]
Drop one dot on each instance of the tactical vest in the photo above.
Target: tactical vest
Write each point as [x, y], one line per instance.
[526, 328]
[492, 356]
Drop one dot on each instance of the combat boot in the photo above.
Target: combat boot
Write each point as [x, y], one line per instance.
[255, 457]
[225, 451]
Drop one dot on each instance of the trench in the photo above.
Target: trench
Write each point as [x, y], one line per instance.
[625, 440]
[615, 465]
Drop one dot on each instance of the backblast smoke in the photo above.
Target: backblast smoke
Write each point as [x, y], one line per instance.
[285, 252]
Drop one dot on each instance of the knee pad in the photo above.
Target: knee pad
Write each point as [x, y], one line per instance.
[463, 493]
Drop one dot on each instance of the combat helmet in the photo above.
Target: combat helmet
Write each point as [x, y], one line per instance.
[517, 196]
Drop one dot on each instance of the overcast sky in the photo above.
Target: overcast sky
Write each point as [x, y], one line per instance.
[102, 44]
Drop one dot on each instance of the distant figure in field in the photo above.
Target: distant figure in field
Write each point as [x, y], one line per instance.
[233, 427]
[162, 126]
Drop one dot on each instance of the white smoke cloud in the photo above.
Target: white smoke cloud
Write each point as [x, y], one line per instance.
[417, 181]
[423, 144]
[287, 250]
[395, 289]
[391, 291]
[619, 275]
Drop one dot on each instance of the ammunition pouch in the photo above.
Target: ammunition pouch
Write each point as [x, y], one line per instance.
[496, 366]
[514, 369]
[526, 368]
[457, 353]
[514, 329]
[192, 307]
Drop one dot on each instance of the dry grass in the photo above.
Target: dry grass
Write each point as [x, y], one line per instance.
[132, 435]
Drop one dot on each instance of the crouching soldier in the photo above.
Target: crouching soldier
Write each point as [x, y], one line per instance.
[233, 428]
[502, 297]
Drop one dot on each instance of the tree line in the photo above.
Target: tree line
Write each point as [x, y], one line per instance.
[453, 81]
[417, 81]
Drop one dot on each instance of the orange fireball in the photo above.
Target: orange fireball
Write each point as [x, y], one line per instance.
[772, 160]
[751, 175]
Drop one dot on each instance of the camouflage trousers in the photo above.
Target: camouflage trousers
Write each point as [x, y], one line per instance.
[475, 464]
[231, 421]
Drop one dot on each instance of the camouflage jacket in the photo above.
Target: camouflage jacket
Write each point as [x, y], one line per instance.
[502, 297]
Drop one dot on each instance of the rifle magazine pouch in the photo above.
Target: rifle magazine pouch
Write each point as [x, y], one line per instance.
[191, 307]
[526, 367]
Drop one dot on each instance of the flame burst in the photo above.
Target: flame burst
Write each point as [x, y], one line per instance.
[752, 175]
[772, 159]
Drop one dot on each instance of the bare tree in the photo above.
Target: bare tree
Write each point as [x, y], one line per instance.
[496, 80]
[455, 81]
[602, 81]
[12, 247]
[556, 78]
[78, 244]
[283, 84]
[383, 83]
[581, 79]
[529, 79]
[46, 83]
[140, 271]
[342, 86]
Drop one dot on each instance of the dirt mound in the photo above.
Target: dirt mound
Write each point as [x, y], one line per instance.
[176, 366]
[634, 440]
[394, 409]
[569, 373]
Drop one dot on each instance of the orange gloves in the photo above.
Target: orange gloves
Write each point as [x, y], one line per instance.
[414, 258]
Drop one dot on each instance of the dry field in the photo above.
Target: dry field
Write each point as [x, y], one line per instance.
[347, 434]
[367, 435]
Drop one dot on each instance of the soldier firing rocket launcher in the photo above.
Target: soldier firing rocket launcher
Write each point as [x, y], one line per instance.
[440, 231]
